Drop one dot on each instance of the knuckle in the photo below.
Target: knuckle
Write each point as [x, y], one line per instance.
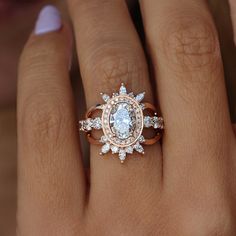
[112, 67]
[191, 44]
[42, 123]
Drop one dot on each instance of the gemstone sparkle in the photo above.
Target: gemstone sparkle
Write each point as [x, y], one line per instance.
[122, 121]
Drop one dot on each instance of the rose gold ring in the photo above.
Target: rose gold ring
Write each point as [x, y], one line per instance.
[122, 123]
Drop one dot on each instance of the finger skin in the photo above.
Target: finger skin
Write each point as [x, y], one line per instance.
[184, 47]
[51, 187]
[199, 145]
[110, 53]
[233, 16]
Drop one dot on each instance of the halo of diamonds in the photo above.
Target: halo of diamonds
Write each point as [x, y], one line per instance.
[122, 123]
[133, 108]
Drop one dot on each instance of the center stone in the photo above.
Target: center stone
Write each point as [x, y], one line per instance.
[122, 120]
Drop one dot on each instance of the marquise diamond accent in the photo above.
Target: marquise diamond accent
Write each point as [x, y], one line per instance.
[122, 155]
[139, 148]
[89, 124]
[105, 148]
[123, 89]
[114, 149]
[129, 150]
[140, 97]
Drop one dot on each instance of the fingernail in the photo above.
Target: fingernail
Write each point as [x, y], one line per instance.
[49, 20]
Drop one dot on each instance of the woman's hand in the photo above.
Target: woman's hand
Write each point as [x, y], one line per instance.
[186, 185]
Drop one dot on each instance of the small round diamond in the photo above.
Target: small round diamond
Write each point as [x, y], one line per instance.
[105, 97]
[147, 121]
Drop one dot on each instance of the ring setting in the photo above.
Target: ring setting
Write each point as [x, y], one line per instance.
[122, 123]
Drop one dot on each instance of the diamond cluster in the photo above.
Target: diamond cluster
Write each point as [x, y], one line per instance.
[89, 124]
[122, 123]
[122, 151]
[122, 120]
[155, 122]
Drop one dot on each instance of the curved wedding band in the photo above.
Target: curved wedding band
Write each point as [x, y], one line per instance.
[122, 123]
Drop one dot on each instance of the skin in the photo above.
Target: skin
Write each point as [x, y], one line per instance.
[15, 25]
[184, 186]
[233, 15]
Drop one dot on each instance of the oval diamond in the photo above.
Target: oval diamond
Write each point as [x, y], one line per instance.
[122, 120]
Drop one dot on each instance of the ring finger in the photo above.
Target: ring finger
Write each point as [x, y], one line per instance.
[110, 53]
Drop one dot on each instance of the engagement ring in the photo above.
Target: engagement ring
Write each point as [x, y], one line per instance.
[122, 123]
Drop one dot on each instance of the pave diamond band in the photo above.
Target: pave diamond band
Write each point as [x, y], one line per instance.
[89, 124]
[122, 123]
[155, 122]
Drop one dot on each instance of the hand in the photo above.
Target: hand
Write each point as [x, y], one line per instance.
[184, 186]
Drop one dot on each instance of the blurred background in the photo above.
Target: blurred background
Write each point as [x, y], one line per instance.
[17, 19]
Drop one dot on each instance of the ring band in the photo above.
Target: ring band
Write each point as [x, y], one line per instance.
[122, 123]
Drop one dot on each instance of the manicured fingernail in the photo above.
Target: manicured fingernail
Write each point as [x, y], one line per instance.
[49, 20]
